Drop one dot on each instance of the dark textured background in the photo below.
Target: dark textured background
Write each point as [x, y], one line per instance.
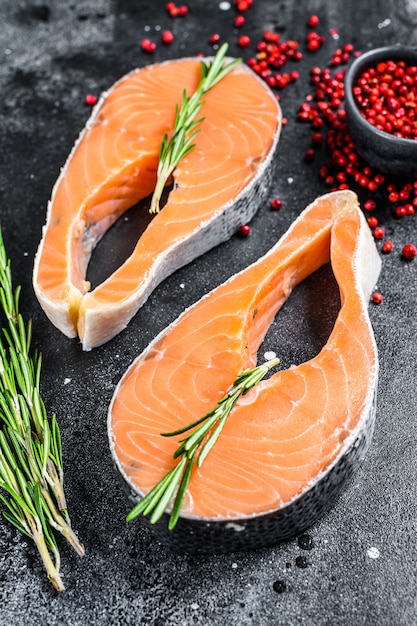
[53, 53]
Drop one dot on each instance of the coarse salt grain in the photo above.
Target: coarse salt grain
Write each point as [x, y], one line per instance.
[384, 23]
[373, 553]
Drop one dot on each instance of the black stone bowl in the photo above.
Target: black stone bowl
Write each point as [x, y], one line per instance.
[382, 150]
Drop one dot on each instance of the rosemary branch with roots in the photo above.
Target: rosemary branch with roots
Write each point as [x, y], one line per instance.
[180, 143]
[194, 447]
[31, 470]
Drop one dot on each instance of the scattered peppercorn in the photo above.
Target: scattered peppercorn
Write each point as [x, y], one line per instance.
[183, 10]
[409, 251]
[309, 155]
[214, 38]
[176, 11]
[243, 5]
[90, 99]
[313, 21]
[244, 41]
[244, 230]
[377, 297]
[379, 232]
[167, 37]
[387, 246]
[147, 45]
[276, 204]
[314, 41]
[369, 205]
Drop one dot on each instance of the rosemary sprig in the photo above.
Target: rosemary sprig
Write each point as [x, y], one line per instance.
[196, 445]
[175, 148]
[31, 470]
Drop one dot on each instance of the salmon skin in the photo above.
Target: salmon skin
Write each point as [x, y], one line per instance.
[216, 188]
[291, 443]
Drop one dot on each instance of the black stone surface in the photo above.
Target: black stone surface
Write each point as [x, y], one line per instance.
[53, 53]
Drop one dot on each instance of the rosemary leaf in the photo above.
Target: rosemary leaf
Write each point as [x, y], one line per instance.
[211, 440]
[30, 443]
[14, 519]
[205, 431]
[179, 499]
[186, 127]
[168, 492]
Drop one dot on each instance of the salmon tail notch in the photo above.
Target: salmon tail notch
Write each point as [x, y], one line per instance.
[121, 158]
[292, 442]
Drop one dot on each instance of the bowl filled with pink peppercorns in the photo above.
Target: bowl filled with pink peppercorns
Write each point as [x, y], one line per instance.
[381, 108]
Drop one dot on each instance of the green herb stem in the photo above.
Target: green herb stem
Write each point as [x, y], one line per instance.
[205, 431]
[176, 146]
[31, 470]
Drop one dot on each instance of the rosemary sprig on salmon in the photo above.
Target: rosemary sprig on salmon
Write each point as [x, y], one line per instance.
[194, 447]
[31, 470]
[175, 148]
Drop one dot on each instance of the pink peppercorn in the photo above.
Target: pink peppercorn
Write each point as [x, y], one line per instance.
[90, 99]
[276, 204]
[243, 5]
[377, 297]
[409, 251]
[214, 38]
[147, 45]
[369, 205]
[243, 41]
[167, 37]
[379, 232]
[239, 21]
[313, 21]
[244, 230]
[183, 10]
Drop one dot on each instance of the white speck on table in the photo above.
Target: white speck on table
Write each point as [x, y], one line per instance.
[373, 553]
[384, 23]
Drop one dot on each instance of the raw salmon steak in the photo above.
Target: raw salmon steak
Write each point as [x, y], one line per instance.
[294, 439]
[216, 187]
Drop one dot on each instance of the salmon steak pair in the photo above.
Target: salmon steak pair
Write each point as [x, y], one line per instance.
[291, 443]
